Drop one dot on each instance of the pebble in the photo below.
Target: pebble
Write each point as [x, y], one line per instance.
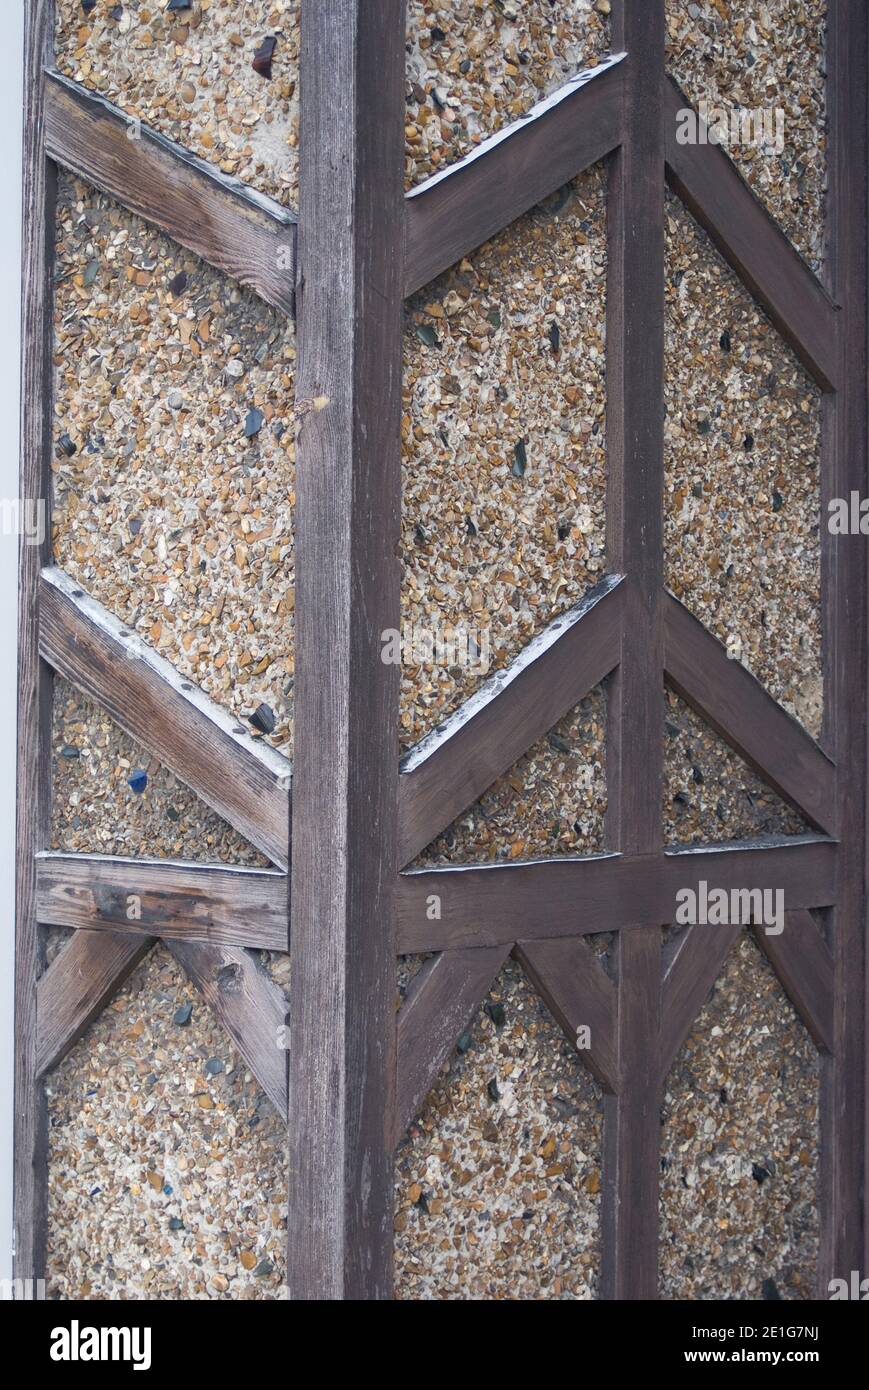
[262, 60]
[263, 719]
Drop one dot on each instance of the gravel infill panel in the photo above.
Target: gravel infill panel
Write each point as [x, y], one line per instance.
[167, 1164]
[498, 1182]
[742, 483]
[766, 57]
[473, 66]
[503, 522]
[710, 794]
[189, 74]
[552, 802]
[95, 810]
[739, 1201]
[174, 457]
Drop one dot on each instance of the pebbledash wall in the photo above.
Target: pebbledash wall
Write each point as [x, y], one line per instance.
[173, 494]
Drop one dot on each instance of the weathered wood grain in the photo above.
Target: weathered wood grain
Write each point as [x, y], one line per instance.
[632, 1127]
[715, 193]
[34, 681]
[844, 1104]
[635, 474]
[244, 780]
[248, 1004]
[804, 963]
[579, 993]
[214, 904]
[441, 1001]
[492, 904]
[234, 228]
[734, 703]
[456, 210]
[349, 309]
[78, 984]
[452, 766]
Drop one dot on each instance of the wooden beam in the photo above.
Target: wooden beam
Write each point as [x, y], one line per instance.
[493, 904]
[30, 1185]
[804, 963]
[452, 766]
[691, 971]
[715, 193]
[342, 1017]
[844, 1101]
[459, 208]
[234, 228]
[78, 984]
[440, 1003]
[213, 904]
[249, 1005]
[734, 703]
[635, 481]
[244, 780]
[579, 993]
[632, 1127]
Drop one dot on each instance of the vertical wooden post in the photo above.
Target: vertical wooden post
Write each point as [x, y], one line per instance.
[34, 680]
[845, 646]
[342, 1007]
[635, 357]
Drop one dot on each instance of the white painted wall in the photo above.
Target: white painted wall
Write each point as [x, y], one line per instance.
[11, 95]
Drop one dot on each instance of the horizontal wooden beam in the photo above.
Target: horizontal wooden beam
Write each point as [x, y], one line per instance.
[248, 1004]
[488, 905]
[214, 904]
[714, 192]
[804, 963]
[457, 209]
[580, 994]
[734, 703]
[441, 1001]
[452, 766]
[242, 779]
[77, 985]
[237, 230]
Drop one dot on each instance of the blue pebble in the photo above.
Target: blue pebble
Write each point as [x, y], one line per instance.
[138, 781]
[254, 422]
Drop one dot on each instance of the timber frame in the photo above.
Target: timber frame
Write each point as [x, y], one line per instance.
[354, 1078]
